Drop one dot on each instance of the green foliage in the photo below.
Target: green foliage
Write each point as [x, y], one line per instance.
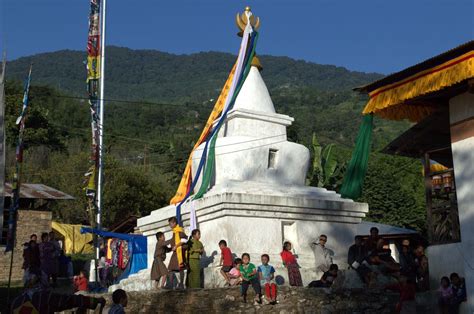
[327, 172]
[394, 189]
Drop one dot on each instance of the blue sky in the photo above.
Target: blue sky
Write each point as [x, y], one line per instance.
[366, 35]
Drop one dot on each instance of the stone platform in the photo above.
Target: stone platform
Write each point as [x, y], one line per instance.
[291, 300]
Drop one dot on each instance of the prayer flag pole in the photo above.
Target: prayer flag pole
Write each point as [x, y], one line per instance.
[2, 141]
[15, 198]
[101, 124]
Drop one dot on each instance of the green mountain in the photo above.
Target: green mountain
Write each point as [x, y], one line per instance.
[162, 77]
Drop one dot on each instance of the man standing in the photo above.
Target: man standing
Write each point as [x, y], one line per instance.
[177, 262]
[322, 255]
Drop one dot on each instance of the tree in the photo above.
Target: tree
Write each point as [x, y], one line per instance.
[394, 190]
[327, 172]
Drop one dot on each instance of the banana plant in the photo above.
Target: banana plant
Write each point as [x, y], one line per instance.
[327, 172]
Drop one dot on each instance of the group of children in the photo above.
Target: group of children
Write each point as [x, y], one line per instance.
[186, 255]
[241, 272]
[451, 293]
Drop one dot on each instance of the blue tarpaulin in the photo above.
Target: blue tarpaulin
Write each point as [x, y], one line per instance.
[137, 249]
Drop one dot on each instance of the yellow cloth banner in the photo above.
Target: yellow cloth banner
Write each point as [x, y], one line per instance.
[185, 182]
[74, 241]
[177, 240]
[388, 101]
[93, 67]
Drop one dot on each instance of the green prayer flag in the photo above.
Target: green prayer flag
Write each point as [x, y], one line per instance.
[355, 174]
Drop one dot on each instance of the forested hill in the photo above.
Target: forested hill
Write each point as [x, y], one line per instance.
[157, 76]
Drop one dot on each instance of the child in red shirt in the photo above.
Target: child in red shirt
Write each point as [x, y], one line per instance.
[80, 282]
[226, 260]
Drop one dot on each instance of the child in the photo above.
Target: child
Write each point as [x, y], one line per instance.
[195, 250]
[234, 274]
[266, 274]
[249, 277]
[80, 282]
[289, 261]
[226, 260]
[445, 295]
[120, 299]
[158, 269]
[327, 278]
[407, 290]
[459, 289]
[177, 261]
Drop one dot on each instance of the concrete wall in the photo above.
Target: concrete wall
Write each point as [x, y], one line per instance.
[29, 222]
[461, 109]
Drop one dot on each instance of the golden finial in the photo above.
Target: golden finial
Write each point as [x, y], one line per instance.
[256, 63]
[242, 20]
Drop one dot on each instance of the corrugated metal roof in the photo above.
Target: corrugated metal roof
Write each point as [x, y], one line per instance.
[37, 191]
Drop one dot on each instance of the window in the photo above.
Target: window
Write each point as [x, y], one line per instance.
[272, 158]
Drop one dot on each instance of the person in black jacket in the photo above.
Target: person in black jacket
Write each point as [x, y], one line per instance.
[356, 258]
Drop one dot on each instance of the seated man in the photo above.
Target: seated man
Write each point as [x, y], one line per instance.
[327, 279]
[357, 260]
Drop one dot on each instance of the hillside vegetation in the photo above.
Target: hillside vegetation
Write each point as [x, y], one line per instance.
[158, 104]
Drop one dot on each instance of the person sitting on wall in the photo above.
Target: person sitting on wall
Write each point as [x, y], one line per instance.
[322, 255]
[327, 278]
[356, 258]
[371, 243]
[385, 259]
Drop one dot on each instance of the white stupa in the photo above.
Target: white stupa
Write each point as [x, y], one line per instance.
[258, 198]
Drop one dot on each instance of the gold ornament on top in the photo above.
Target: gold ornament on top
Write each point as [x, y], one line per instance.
[242, 20]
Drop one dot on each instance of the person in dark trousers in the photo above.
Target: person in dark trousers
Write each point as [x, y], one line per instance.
[250, 277]
[407, 263]
[356, 258]
[327, 278]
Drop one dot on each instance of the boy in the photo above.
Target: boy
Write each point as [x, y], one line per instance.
[266, 274]
[120, 299]
[177, 261]
[249, 277]
[327, 279]
[226, 260]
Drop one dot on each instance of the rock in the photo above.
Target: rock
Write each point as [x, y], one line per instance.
[229, 298]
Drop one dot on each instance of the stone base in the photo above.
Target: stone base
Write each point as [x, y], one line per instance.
[257, 219]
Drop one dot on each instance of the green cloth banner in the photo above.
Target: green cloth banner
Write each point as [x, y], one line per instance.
[355, 174]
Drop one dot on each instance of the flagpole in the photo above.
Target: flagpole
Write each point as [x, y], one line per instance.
[101, 123]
